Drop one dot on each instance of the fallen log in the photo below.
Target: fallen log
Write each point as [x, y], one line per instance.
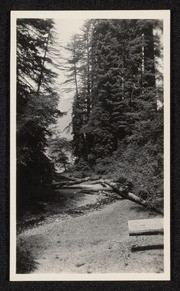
[97, 181]
[147, 247]
[93, 181]
[73, 181]
[122, 191]
[70, 182]
[114, 194]
[77, 181]
[91, 190]
[125, 194]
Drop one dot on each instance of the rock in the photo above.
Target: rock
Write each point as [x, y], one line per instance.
[80, 264]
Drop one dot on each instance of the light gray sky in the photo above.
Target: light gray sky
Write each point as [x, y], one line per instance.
[65, 29]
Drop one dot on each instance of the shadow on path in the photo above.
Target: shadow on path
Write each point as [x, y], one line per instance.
[25, 262]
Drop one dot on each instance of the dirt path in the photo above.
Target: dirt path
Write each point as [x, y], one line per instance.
[95, 242]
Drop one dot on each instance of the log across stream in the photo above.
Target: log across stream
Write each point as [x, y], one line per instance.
[108, 185]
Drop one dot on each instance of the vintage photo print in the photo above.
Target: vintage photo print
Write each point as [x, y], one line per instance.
[90, 145]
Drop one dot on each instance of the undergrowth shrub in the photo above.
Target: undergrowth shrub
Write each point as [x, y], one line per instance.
[139, 166]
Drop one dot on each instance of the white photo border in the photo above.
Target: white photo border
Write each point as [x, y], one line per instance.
[84, 14]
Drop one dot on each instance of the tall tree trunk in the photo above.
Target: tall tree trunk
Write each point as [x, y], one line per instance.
[149, 66]
[75, 69]
[75, 79]
[88, 94]
[42, 65]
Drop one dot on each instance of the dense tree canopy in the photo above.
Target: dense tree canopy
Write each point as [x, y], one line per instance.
[118, 89]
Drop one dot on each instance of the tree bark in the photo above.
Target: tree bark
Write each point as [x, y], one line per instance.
[123, 193]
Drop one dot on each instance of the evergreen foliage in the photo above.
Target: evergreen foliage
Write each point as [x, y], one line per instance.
[116, 104]
[37, 102]
[58, 151]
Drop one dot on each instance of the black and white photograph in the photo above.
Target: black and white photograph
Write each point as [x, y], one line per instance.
[90, 154]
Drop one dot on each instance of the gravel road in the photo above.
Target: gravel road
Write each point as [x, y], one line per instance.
[94, 241]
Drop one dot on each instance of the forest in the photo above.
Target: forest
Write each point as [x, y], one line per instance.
[114, 73]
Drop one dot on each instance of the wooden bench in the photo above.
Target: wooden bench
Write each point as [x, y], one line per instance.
[139, 227]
